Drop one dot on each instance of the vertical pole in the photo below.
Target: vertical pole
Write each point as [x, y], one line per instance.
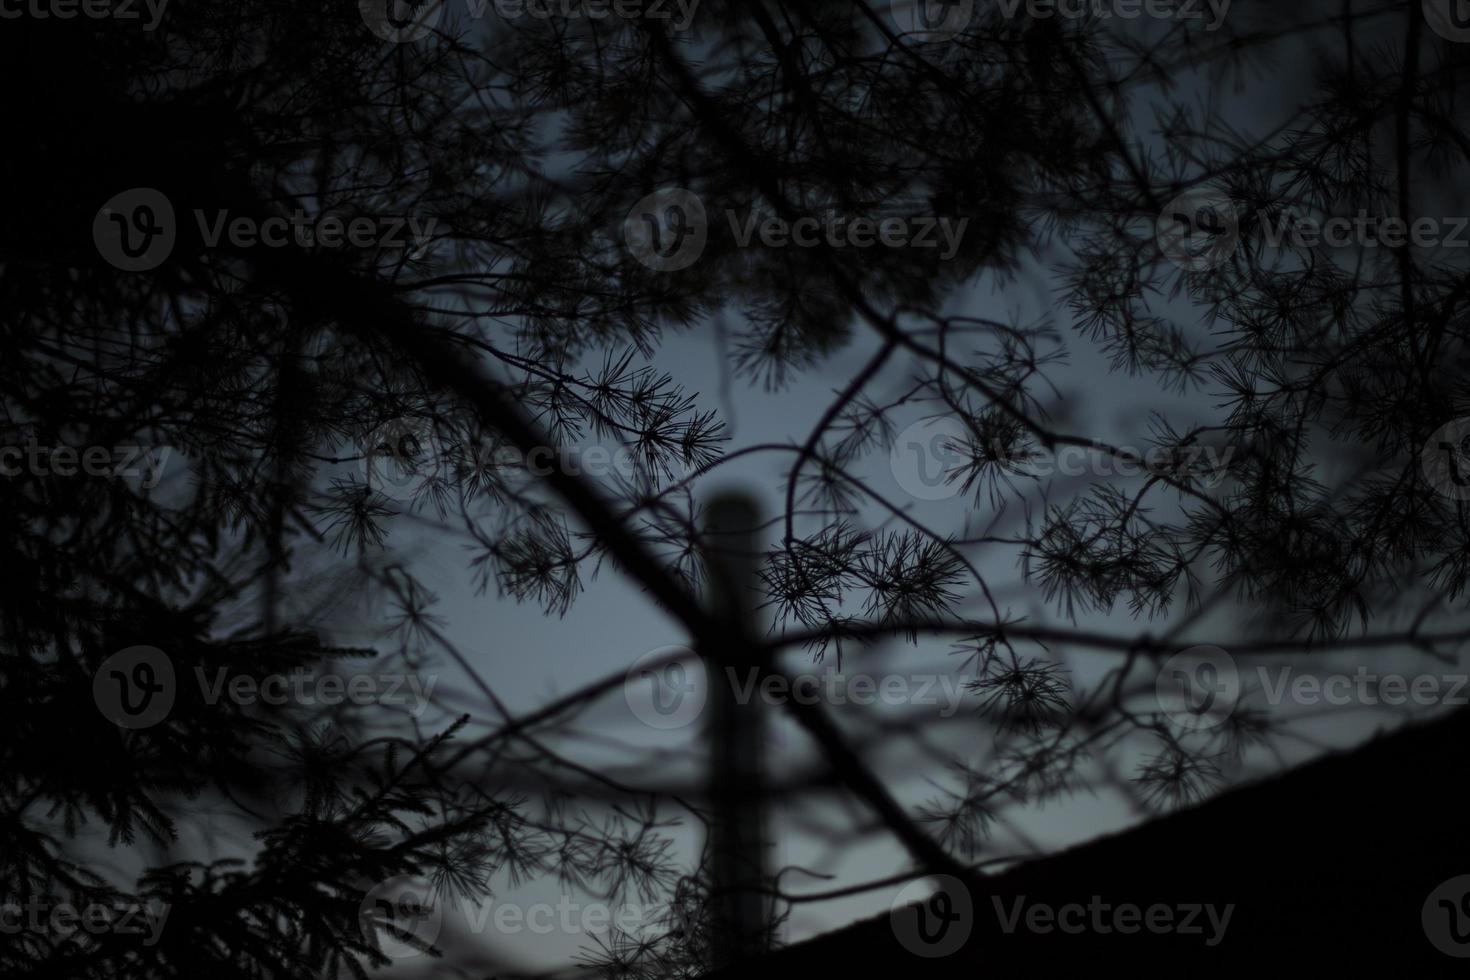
[737, 831]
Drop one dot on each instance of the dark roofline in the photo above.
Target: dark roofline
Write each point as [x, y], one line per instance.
[1328, 863]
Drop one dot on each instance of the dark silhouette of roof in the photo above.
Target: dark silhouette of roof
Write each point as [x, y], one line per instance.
[1327, 866]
